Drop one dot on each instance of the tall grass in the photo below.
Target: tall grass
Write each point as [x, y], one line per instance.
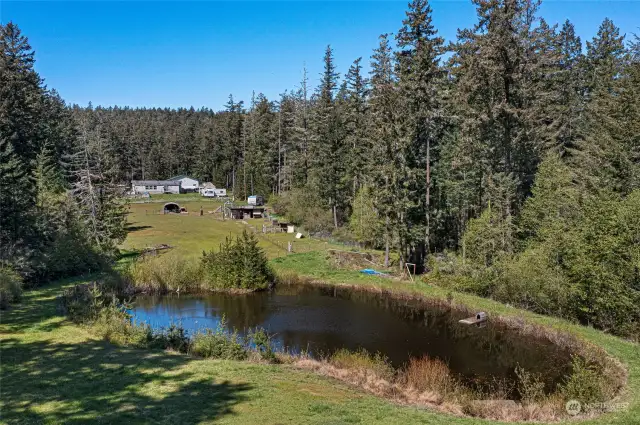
[362, 360]
[166, 273]
[428, 374]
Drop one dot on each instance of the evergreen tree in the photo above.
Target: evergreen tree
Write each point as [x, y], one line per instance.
[420, 120]
[20, 103]
[385, 159]
[327, 149]
[356, 116]
[95, 189]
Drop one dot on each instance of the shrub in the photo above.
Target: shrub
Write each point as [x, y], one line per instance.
[530, 386]
[114, 324]
[262, 342]
[82, 303]
[165, 273]
[218, 344]
[10, 287]
[531, 281]
[174, 338]
[586, 382]
[239, 264]
[361, 359]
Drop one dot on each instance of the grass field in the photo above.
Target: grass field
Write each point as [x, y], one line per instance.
[56, 372]
[192, 233]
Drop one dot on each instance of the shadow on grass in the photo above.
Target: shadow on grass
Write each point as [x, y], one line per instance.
[45, 382]
[37, 309]
[131, 229]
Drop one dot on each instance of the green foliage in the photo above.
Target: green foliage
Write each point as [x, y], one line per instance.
[531, 280]
[585, 383]
[365, 222]
[42, 231]
[262, 341]
[173, 338]
[10, 287]
[83, 303]
[218, 344]
[304, 207]
[488, 237]
[530, 386]
[238, 264]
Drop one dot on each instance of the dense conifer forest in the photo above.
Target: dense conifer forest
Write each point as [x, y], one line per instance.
[505, 162]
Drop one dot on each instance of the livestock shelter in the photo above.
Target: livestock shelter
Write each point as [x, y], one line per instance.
[172, 207]
[155, 186]
[246, 211]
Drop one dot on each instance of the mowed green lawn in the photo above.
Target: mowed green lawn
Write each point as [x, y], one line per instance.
[192, 233]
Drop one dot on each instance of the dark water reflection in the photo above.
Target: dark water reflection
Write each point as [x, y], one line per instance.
[324, 319]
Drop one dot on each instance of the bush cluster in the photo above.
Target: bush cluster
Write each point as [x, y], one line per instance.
[239, 264]
[10, 287]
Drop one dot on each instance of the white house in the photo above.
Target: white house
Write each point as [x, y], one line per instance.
[155, 186]
[187, 184]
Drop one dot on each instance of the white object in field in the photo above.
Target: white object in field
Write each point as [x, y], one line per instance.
[209, 193]
[256, 200]
[299, 235]
[291, 228]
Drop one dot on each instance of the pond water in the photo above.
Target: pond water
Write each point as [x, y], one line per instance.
[322, 319]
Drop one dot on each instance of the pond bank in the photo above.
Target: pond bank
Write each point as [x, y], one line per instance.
[548, 409]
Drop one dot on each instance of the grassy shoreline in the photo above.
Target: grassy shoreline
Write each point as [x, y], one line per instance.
[72, 369]
[313, 267]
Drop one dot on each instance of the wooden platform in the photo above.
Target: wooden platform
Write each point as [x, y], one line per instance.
[475, 320]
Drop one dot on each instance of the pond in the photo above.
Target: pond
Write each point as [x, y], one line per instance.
[323, 319]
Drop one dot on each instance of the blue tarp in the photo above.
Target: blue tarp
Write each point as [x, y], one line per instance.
[372, 272]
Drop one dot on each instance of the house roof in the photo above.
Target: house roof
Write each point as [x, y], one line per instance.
[208, 185]
[155, 182]
[182, 176]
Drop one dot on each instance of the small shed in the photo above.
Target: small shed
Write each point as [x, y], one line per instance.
[246, 211]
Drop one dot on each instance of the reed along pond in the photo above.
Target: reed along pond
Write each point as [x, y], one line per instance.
[323, 319]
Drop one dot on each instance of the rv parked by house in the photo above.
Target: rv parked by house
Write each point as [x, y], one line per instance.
[208, 190]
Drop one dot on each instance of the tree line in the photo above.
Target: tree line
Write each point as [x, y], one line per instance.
[507, 159]
[60, 210]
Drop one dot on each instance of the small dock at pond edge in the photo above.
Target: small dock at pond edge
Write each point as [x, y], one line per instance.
[480, 317]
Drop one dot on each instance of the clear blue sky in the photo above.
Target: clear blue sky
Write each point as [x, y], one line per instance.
[158, 53]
